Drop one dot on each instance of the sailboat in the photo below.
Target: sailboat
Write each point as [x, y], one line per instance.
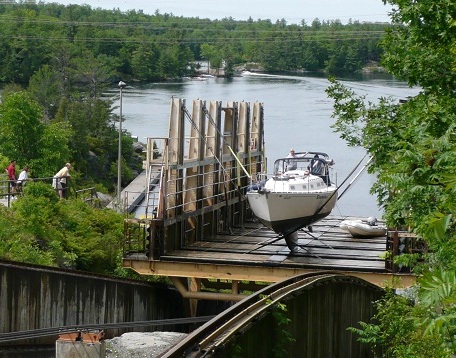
[299, 193]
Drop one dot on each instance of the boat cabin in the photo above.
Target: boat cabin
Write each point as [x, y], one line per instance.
[304, 164]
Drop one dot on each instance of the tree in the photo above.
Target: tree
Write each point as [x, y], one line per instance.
[43, 86]
[21, 128]
[93, 141]
[93, 75]
[212, 54]
[413, 146]
[144, 61]
[24, 136]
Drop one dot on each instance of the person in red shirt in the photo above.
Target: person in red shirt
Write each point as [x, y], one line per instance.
[11, 170]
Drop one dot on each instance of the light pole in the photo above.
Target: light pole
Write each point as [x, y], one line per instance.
[122, 85]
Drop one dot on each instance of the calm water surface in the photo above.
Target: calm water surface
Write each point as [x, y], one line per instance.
[297, 114]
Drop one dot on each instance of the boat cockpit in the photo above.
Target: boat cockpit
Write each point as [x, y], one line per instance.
[303, 164]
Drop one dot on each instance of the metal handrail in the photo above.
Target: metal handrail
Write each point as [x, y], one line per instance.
[6, 192]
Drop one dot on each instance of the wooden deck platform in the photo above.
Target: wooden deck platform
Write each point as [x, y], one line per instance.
[255, 253]
[326, 247]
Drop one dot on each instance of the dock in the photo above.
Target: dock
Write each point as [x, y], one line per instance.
[326, 247]
[254, 253]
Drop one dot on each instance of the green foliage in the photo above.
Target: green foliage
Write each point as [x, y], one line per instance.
[144, 62]
[21, 128]
[438, 294]
[54, 151]
[126, 172]
[93, 235]
[409, 260]
[4, 162]
[44, 87]
[212, 54]
[80, 47]
[24, 137]
[414, 154]
[396, 333]
[422, 53]
[41, 229]
[283, 336]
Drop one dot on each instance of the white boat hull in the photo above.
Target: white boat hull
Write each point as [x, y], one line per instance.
[284, 213]
[299, 193]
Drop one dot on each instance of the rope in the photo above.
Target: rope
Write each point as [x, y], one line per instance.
[189, 117]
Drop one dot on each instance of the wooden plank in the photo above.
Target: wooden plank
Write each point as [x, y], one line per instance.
[318, 249]
[330, 244]
[326, 247]
[306, 251]
[292, 261]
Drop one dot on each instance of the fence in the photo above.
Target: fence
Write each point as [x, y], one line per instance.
[8, 193]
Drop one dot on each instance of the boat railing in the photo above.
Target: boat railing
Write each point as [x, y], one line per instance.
[315, 165]
[299, 167]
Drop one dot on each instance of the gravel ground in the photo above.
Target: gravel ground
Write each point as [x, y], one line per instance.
[142, 345]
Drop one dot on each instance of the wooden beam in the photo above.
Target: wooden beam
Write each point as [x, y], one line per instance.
[253, 273]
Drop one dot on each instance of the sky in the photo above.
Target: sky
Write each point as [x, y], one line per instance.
[293, 11]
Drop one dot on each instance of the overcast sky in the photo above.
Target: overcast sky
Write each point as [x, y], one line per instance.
[293, 11]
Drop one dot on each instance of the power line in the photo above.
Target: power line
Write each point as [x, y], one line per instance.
[166, 25]
[186, 40]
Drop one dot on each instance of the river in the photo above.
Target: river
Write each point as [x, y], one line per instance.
[297, 114]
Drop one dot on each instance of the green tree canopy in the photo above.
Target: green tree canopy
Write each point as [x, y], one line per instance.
[413, 146]
[110, 44]
[25, 138]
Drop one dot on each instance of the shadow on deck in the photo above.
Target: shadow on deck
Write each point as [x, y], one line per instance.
[255, 253]
[326, 247]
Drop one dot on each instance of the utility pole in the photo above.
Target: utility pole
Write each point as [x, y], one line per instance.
[122, 85]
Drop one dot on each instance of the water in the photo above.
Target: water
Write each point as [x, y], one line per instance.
[297, 114]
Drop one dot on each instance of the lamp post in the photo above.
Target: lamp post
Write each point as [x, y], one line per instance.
[122, 85]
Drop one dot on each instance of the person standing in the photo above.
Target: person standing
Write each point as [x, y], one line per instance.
[319, 167]
[291, 164]
[23, 176]
[316, 166]
[11, 170]
[59, 181]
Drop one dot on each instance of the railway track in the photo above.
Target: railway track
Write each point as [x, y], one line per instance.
[55, 331]
[216, 333]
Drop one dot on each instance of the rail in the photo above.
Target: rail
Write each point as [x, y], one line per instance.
[55, 331]
[7, 194]
[88, 195]
[206, 340]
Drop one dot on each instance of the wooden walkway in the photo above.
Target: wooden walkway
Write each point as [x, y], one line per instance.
[133, 194]
[326, 247]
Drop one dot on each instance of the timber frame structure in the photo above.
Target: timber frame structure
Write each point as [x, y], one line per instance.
[197, 228]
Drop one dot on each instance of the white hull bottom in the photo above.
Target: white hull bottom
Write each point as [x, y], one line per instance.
[358, 228]
[285, 213]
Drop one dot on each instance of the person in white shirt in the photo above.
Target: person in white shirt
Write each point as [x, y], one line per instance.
[23, 176]
[291, 164]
